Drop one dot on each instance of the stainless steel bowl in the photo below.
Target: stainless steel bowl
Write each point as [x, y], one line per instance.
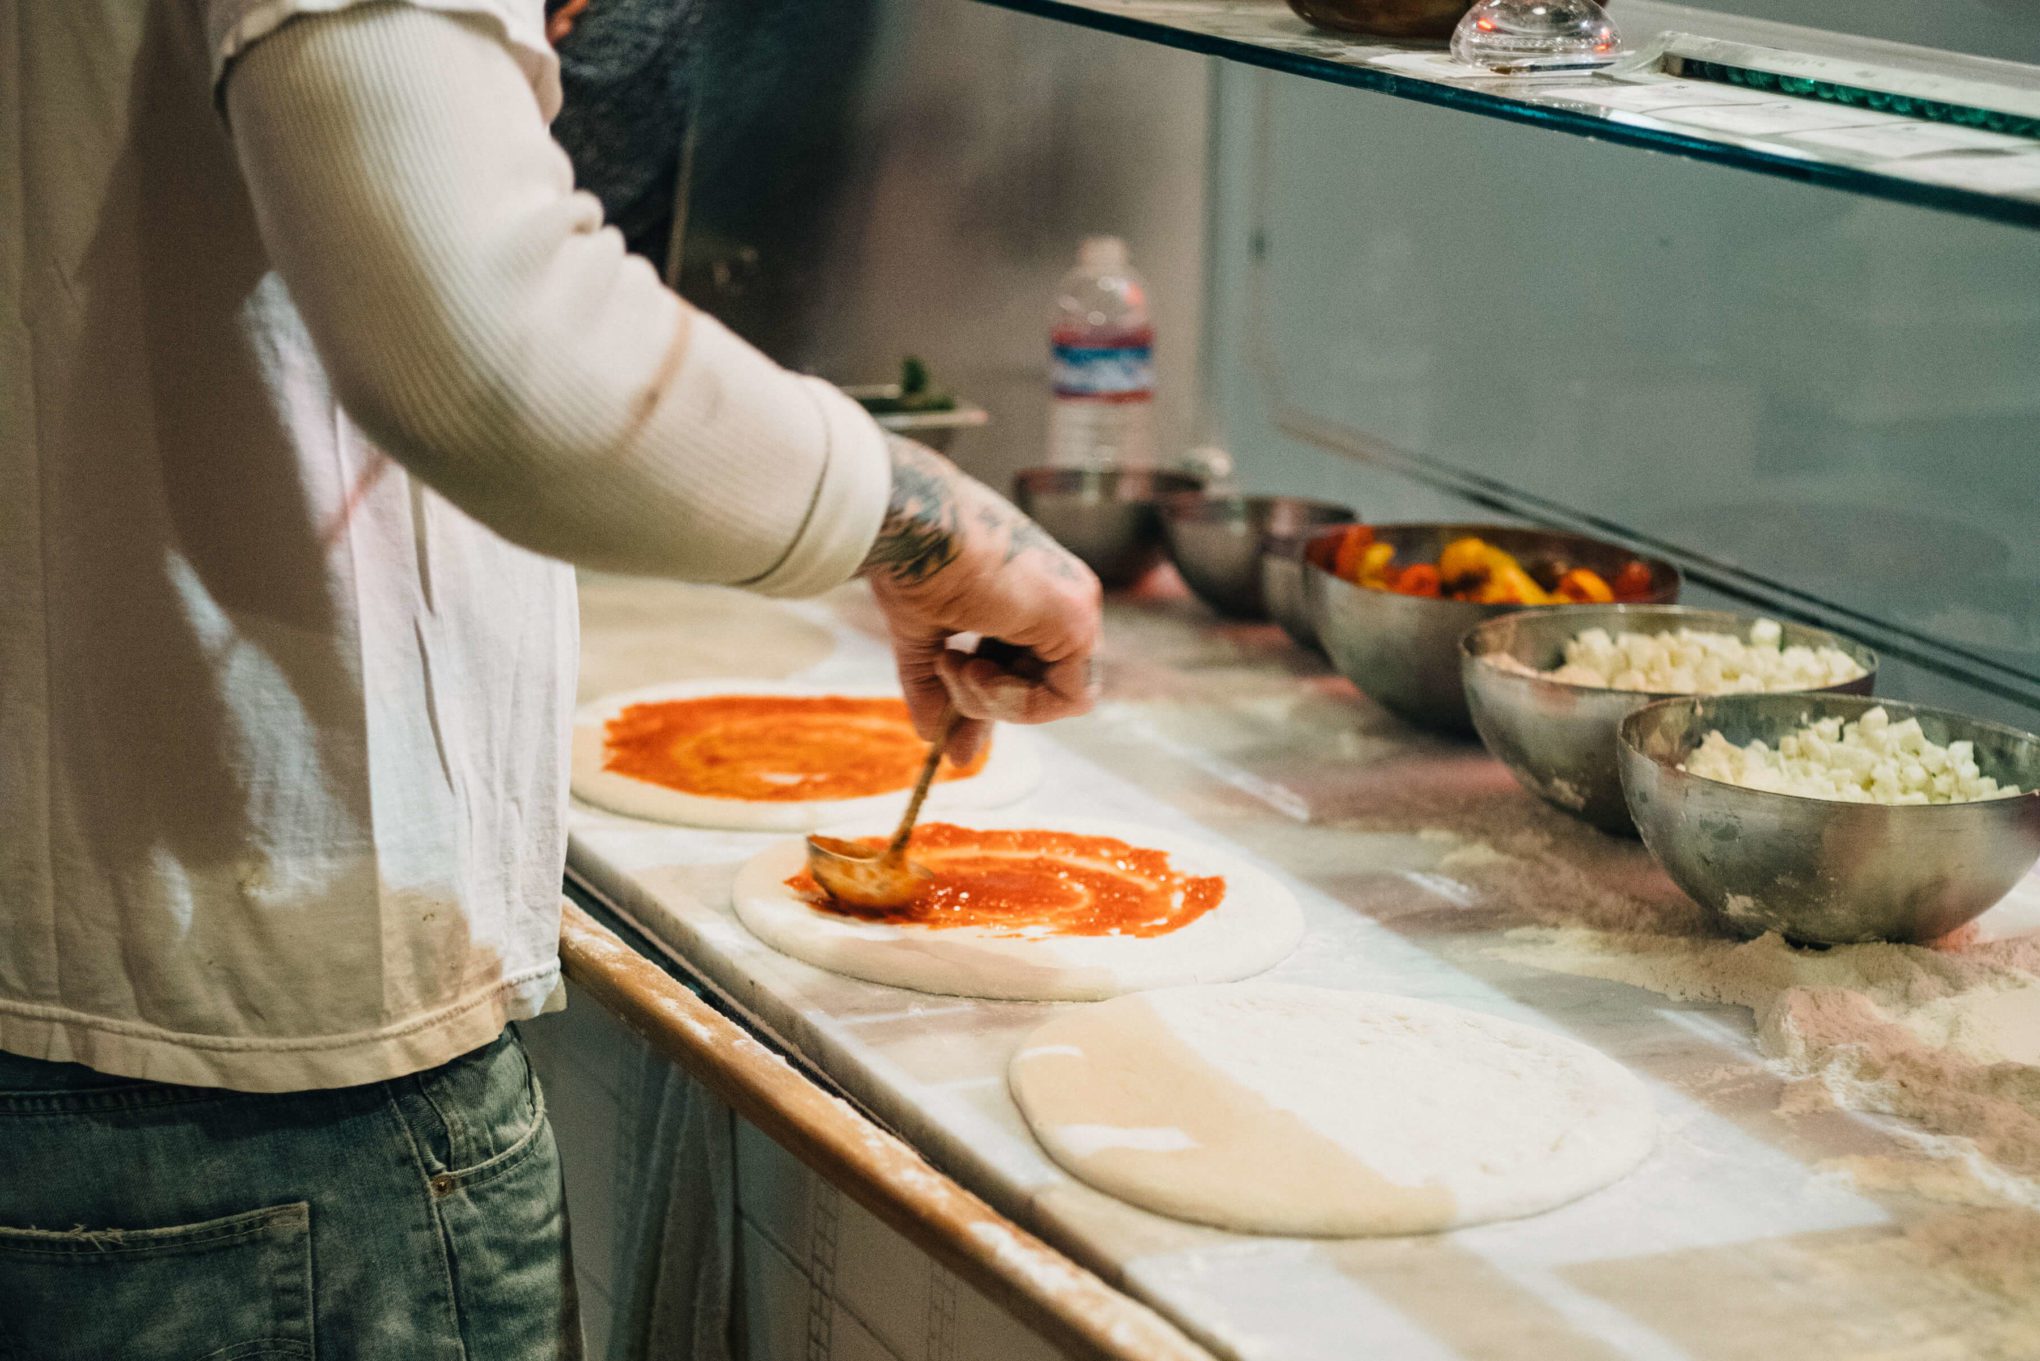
[1558, 740]
[1818, 870]
[1282, 586]
[1403, 650]
[1106, 516]
[1217, 543]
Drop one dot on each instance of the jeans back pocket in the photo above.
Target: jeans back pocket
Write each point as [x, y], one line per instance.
[231, 1289]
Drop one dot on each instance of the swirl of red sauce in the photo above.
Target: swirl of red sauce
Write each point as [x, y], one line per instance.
[1026, 882]
[773, 748]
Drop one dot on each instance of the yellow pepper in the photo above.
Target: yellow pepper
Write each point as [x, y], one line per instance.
[1583, 586]
[1374, 563]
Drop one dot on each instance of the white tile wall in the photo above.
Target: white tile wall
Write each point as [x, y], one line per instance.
[817, 1278]
[911, 1307]
[783, 1317]
[774, 1314]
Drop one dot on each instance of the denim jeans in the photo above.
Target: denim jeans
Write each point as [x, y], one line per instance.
[411, 1220]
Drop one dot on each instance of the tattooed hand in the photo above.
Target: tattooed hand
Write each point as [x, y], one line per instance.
[955, 557]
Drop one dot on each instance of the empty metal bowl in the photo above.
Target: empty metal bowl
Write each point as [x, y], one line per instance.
[1106, 516]
[1819, 870]
[1403, 650]
[1558, 739]
[1217, 543]
[1282, 586]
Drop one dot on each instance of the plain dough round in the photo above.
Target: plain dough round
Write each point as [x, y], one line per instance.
[1011, 773]
[1253, 928]
[655, 632]
[1273, 1108]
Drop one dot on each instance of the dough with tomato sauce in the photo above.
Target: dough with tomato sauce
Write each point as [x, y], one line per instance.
[1253, 926]
[1009, 773]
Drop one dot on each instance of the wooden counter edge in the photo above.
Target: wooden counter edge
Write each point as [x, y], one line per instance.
[1059, 1300]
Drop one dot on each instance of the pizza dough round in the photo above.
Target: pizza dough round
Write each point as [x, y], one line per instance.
[1253, 928]
[1272, 1108]
[655, 632]
[1011, 772]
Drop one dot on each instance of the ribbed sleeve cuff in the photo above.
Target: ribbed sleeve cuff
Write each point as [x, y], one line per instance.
[849, 504]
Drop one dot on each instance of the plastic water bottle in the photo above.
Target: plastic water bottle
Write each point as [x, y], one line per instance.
[1102, 362]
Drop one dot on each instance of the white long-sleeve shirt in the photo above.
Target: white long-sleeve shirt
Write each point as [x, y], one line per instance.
[308, 352]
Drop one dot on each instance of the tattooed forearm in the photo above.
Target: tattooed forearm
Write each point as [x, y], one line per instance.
[935, 511]
[919, 537]
[1029, 536]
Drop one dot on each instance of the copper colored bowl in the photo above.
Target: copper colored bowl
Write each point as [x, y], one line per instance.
[1385, 18]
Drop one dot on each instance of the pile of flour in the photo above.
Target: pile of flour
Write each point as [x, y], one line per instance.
[1947, 1038]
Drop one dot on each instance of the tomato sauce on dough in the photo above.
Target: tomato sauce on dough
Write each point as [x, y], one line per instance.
[773, 748]
[1038, 883]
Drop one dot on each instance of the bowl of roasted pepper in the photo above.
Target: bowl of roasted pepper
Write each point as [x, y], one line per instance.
[1391, 602]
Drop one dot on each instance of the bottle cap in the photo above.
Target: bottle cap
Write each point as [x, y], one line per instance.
[1102, 252]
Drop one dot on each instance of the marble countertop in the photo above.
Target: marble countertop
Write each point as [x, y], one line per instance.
[1414, 858]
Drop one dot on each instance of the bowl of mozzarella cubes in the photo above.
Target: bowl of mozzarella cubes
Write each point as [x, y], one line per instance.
[1833, 819]
[1548, 690]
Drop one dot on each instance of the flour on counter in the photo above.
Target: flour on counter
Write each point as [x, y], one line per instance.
[1940, 1047]
[1942, 1038]
[1516, 861]
[1470, 855]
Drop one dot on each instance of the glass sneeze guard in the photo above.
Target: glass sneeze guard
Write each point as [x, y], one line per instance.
[1914, 125]
[1820, 405]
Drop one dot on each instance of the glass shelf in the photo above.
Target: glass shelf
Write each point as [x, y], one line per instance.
[1914, 125]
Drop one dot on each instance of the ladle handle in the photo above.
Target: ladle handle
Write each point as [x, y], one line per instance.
[1006, 656]
[944, 730]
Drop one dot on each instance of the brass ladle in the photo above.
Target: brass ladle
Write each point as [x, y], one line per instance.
[850, 873]
[858, 877]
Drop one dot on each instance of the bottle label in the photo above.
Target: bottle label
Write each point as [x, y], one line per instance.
[1106, 373]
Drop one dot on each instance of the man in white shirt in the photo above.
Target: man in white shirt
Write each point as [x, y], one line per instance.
[314, 373]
